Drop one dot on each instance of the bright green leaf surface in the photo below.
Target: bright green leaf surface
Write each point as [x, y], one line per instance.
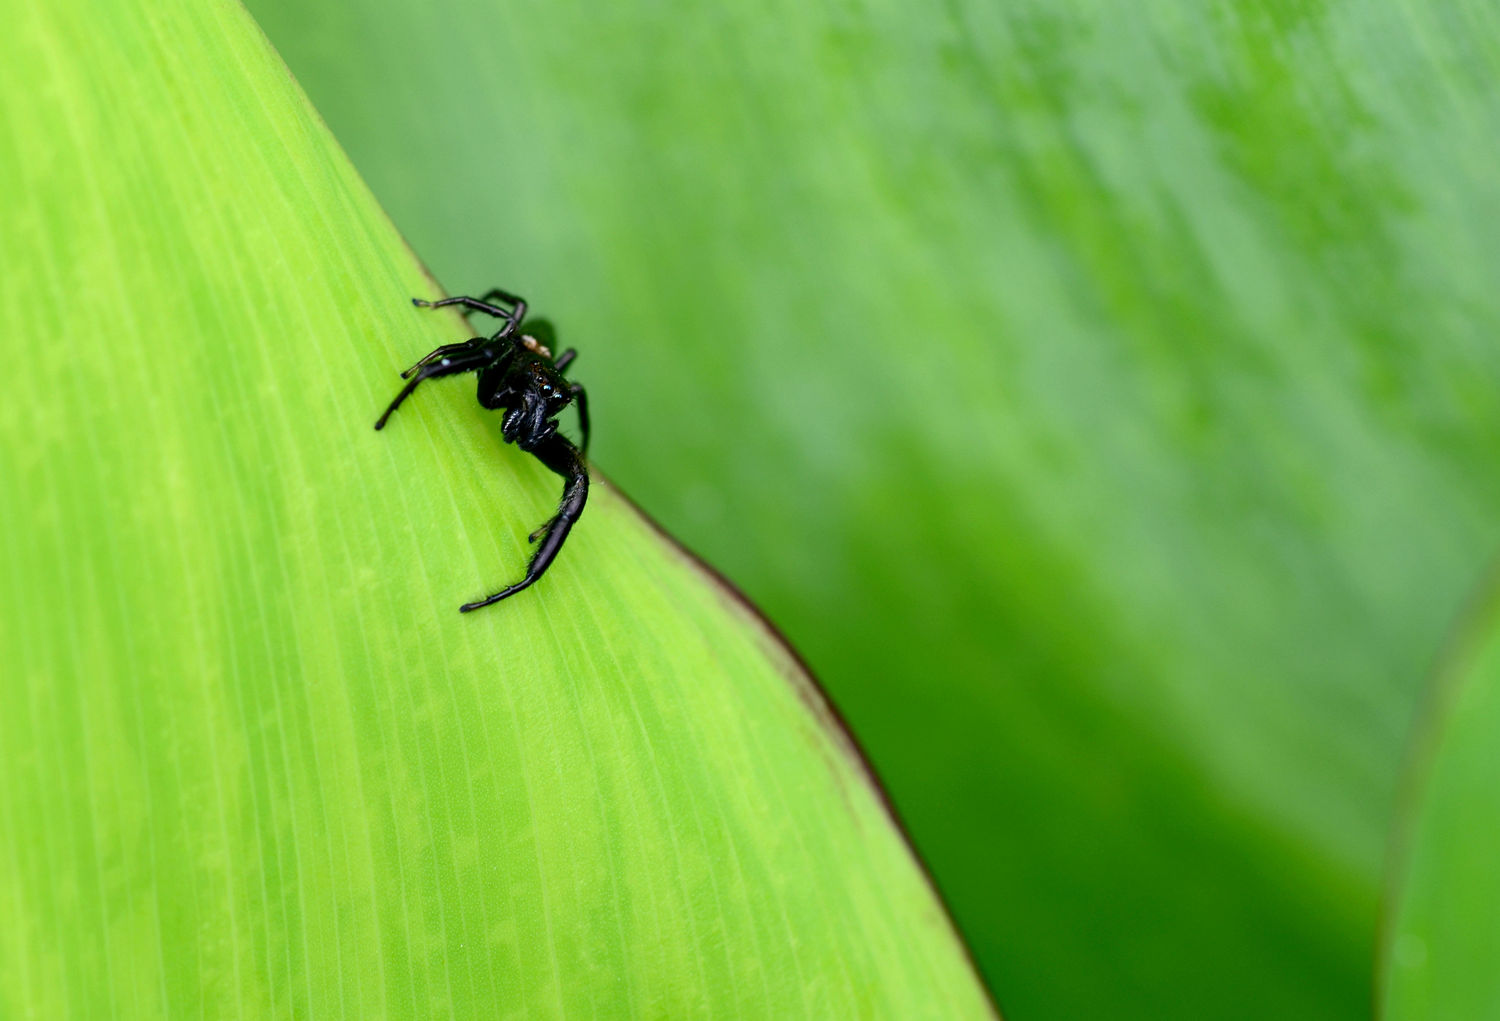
[1101, 395]
[253, 762]
[1441, 952]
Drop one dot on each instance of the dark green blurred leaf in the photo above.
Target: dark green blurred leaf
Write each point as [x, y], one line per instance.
[253, 762]
[1102, 396]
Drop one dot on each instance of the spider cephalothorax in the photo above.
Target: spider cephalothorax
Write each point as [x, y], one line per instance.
[517, 375]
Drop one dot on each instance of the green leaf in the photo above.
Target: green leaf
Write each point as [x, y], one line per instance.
[1101, 396]
[1441, 939]
[253, 762]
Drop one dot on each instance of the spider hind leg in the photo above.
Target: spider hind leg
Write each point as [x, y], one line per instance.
[564, 459]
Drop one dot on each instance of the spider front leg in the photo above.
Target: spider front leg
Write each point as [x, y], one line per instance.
[581, 398]
[563, 458]
[476, 354]
[482, 304]
[444, 351]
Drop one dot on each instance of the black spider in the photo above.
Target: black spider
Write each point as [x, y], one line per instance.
[517, 373]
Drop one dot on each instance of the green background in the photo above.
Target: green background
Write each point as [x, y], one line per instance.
[1102, 397]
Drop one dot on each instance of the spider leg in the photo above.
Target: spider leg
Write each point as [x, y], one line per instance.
[475, 358]
[565, 359]
[510, 299]
[469, 304]
[445, 351]
[581, 398]
[563, 458]
[512, 317]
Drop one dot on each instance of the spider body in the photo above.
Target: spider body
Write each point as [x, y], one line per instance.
[519, 376]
